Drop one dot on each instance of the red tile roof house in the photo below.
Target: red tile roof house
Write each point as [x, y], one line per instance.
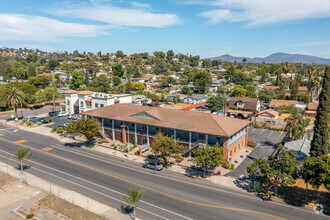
[311, 110]
[142, 123]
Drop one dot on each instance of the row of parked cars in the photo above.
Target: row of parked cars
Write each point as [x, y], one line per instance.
[63, 114]
[38, 120]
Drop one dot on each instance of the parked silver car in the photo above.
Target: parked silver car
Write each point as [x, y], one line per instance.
[153, 165]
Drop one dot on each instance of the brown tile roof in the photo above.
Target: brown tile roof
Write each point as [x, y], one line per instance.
[270, 112]
[88, 100]
[85, 93]
[171, 118]
[313, 106]
[277, 102]
[249, 103]
[71, 91]
[303, 89]
[147, 77]
[272, 87]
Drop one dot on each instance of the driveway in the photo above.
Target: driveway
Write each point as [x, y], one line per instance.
[267, 141]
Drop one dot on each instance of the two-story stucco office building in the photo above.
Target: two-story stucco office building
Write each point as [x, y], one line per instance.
[140, 124]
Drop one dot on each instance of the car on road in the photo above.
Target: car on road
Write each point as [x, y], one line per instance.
[153, 165]
[35, 107]
[62, 114]
[53, 113]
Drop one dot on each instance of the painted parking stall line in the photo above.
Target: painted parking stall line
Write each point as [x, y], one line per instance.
[271, 133]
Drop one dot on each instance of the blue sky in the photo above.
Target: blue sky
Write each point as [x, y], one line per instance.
[199, 27]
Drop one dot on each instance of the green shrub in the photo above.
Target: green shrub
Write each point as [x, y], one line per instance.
[29, 216]
[54, 129]
[24, 120]
[226, 165]
[233, 107]
[29, 123]
[232, 166]
[60, 130]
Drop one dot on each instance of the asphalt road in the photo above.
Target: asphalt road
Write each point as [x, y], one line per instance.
[167, 195]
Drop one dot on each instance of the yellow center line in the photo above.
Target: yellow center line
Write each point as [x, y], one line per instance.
[146, 187]
[20, 141]
[1, 134]
[47, 149]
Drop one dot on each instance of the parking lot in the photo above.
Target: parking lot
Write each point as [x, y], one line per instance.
[57, 121]
[267, 141]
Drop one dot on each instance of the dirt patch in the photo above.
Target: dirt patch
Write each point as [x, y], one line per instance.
[6, 179]
[68, 209]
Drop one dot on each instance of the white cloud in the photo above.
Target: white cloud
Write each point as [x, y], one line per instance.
[119, 16]
[263, 12]
[36, 28]
[141, 5]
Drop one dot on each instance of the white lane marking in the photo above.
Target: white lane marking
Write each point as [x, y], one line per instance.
[271, 133]
[281, 133]
[96, 185]
[182, 181]
[207, 187]
[262, 131]
[252, 131]
[151, 174]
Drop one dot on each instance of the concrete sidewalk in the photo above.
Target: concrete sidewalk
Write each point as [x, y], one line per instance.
[184, 170]
[45, 187]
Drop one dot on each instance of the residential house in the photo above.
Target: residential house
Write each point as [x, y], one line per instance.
[141, 100]
[196, 99]
[311, 110]
[267, 116]
[244, 103]
[80, 101]
[137, 80]
[275, 103]
[301, 147]
[133, 124]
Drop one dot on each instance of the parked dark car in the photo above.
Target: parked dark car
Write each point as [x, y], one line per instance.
[53, 113]
[36, 107]
[44, 120]
[153, 165]
[31, 118]
[35, 120]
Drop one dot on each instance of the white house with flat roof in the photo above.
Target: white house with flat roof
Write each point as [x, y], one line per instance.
[81, 101]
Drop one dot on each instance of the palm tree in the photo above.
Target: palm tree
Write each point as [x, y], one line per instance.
[296, 124]
[20, 155]
[133, 197]
[13, 97]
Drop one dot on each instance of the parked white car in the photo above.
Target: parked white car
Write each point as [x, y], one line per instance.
[62, 114]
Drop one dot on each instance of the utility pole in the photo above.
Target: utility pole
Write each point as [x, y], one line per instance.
[53, 95]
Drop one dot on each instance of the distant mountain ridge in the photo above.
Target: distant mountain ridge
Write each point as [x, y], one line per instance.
[276, 58]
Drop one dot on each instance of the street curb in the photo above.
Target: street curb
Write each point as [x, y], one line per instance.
[66, 194]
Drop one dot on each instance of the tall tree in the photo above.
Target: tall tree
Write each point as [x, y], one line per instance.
[282, 168]
[208, 157]
[320, 142]
[21, 155]
[296, 124]
[133, 197]
[169, 55]
[89, 127]
[215, 103]
[202, 80]
[13, 97]
[316, 171]
[165, 146]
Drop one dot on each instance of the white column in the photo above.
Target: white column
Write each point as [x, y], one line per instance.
[189, 144]
[148, 134]
[206, 139]
[103, 125]
[175, 135]
[135, 134]
[113, 130]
